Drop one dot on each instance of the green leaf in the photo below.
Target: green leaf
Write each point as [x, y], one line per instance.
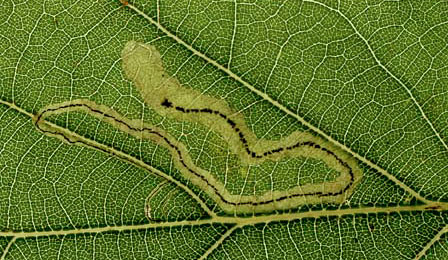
[223, 130]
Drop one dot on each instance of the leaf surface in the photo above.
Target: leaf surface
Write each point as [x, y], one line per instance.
[223, 130]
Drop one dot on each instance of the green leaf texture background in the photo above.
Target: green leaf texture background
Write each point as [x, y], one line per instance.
[367, 78]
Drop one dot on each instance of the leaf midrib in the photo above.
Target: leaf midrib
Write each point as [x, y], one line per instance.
[280, 106]
[234, 220]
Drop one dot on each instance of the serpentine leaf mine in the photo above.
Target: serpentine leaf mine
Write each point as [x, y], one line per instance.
[142, 64]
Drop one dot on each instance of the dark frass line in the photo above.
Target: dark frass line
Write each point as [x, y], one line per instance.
[166, 103]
